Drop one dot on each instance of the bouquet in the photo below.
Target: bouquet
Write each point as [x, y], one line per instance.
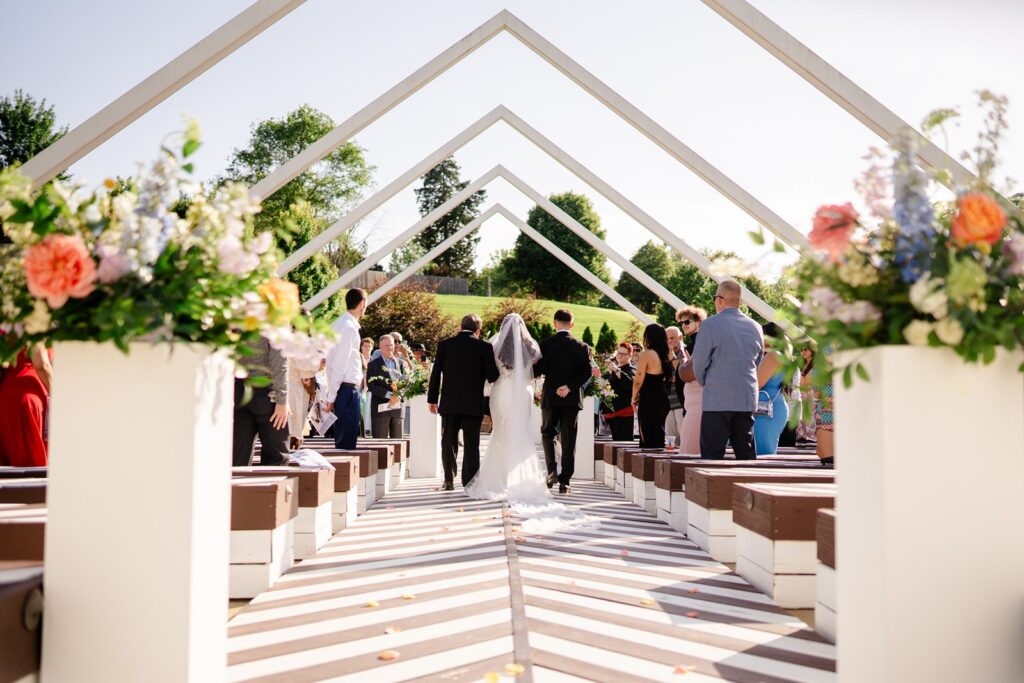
[406, 386]
[598, 387]
[152, 258]
[915, 271]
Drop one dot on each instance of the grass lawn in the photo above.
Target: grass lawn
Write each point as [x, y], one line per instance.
[585, 316]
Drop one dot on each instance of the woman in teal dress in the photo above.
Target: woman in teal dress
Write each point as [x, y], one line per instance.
[767, 430]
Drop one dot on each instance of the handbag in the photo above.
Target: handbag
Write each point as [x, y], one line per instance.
[766, 406]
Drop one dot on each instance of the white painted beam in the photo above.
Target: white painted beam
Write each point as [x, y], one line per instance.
[156, 88]
[420, 263]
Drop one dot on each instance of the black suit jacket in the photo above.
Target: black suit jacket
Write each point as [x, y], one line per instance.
[465, 362]
[564, 361]
[379, 388]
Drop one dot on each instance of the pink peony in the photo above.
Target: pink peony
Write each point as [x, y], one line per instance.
[833, 227]
[59, 267]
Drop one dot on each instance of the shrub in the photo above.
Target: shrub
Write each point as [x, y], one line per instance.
[411, 310]
[587, 337]
[528, 307]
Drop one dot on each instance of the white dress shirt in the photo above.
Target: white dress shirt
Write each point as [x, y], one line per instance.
[344, 362]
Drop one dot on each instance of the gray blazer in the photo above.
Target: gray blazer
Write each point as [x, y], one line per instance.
[729, 348]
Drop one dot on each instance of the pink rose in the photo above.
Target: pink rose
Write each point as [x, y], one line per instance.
[833, 227]
[59, 267]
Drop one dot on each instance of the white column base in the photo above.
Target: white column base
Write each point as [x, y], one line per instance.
[825, 602]
[425, 438]
[584, 463]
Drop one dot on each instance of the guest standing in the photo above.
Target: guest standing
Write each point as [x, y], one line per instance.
[266, 413]
[674, 420]
[24, 394]
[365, 349]
[619, 417]
[824, 421]
[301, 392]
[345, 371]
[725, 360]
[770, 379]
[382, 373]
[651, 386]
[690, 319]
[805, 431]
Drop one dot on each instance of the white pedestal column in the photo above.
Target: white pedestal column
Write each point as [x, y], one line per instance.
[425, 435]
[585, 441]
[929, 519]
[138, 529]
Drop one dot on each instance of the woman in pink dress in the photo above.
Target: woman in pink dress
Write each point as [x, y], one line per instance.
[24, 392]
[689, 320]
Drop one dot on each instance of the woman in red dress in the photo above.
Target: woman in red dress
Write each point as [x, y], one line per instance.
[24, 390]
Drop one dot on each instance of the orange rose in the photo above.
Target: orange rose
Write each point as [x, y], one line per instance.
[978, 220]
[59, 267]
[833, 227]
[282, 299]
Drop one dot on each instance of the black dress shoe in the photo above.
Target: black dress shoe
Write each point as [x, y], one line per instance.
[564, 488]
[449, 486]
[552, 480]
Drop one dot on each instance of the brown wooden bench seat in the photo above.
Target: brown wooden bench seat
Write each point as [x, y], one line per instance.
[315, 490]
[22, 532]
[263, 510]
[604, 451]
[709, 501]
[825, 583]
[345, 502]
[25, 491]
[22, 473]
[776, 537]
[624, 467]
[642, 469]
[368, 459]
[21, 604]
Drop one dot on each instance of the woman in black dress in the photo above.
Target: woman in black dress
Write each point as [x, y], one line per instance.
[620, 376]
[651, 387]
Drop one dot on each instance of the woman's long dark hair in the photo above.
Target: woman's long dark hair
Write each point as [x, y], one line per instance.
[656, 340]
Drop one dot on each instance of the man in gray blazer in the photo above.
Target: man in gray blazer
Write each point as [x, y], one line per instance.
[729, 348]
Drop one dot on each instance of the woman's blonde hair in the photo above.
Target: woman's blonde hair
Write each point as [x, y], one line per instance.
[695, 312]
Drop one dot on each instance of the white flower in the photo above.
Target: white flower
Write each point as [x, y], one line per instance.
[262, 243]
[857, 312]
[927, 296]
[730, 267]
[949, 331]
[39, 320]
[234, 259]
[916, 333]
[92, 213]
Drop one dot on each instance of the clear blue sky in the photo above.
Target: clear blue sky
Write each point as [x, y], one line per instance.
[677, 61]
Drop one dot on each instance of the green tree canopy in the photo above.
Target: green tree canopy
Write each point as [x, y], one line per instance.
[587, 337]
[440, 184]
[27, 127]
[654, 259]
[536, 270]
[606, 340]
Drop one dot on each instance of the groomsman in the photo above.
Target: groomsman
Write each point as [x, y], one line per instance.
[381, 372]
[565, 364]
[345, 371]
[464, 362]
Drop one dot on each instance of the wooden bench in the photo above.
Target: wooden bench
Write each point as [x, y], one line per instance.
[642, 471]
[25, 491]
[385, 454]
[22, 472]
[776, 538]
[604, 460]
[345, 501]
[367, 489]
[709, 501]
[624, 467]
[670, 482]
[263, 510]
[22, 532]
[825, 584]
[315, 489]
[21, 610]
[399, 465]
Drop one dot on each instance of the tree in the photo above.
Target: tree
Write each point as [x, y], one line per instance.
[405, 256]
[537, 270]
[606, 339]
[527, 307]
[27, 127]
[691, 285]
[655, 260]
[413, 311]
[587, 337]
[440, 184]
[494, 278]
[316, 272]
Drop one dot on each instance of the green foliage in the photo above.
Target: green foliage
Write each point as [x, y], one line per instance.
[440, 184]
[655, 260]
[606, 340]
[587, 337]
[27, 127]
[316, 272]
[412, 311]
[496, 276]
[539, 272]
[528, 307]
[405, 256]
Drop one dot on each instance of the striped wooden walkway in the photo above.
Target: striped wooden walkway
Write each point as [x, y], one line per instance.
[430, 585]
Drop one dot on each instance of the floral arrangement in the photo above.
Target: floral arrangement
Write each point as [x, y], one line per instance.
[598, 387]
[407, 386]
[915, 271]
[153, 258]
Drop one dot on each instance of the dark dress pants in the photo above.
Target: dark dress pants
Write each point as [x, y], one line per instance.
[470, 427]
[347, 410]
[253, 419]
[621, 428]
[561, 421]
[387, 425]
[718, 427]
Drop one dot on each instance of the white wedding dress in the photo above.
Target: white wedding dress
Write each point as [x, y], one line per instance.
[511, 469]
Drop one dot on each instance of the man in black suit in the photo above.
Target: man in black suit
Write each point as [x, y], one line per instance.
[382, 372]
[466, 362]
[565, 364]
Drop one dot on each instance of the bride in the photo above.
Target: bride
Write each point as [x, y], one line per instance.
[511, 469]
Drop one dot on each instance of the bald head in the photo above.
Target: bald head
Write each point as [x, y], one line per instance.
[728, 294]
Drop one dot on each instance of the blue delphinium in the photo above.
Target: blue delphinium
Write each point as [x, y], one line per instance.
[913, 213]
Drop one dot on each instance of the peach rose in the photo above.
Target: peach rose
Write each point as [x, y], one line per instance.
[978, 220]
[59, 267]
[833, 227]
[283, 299]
